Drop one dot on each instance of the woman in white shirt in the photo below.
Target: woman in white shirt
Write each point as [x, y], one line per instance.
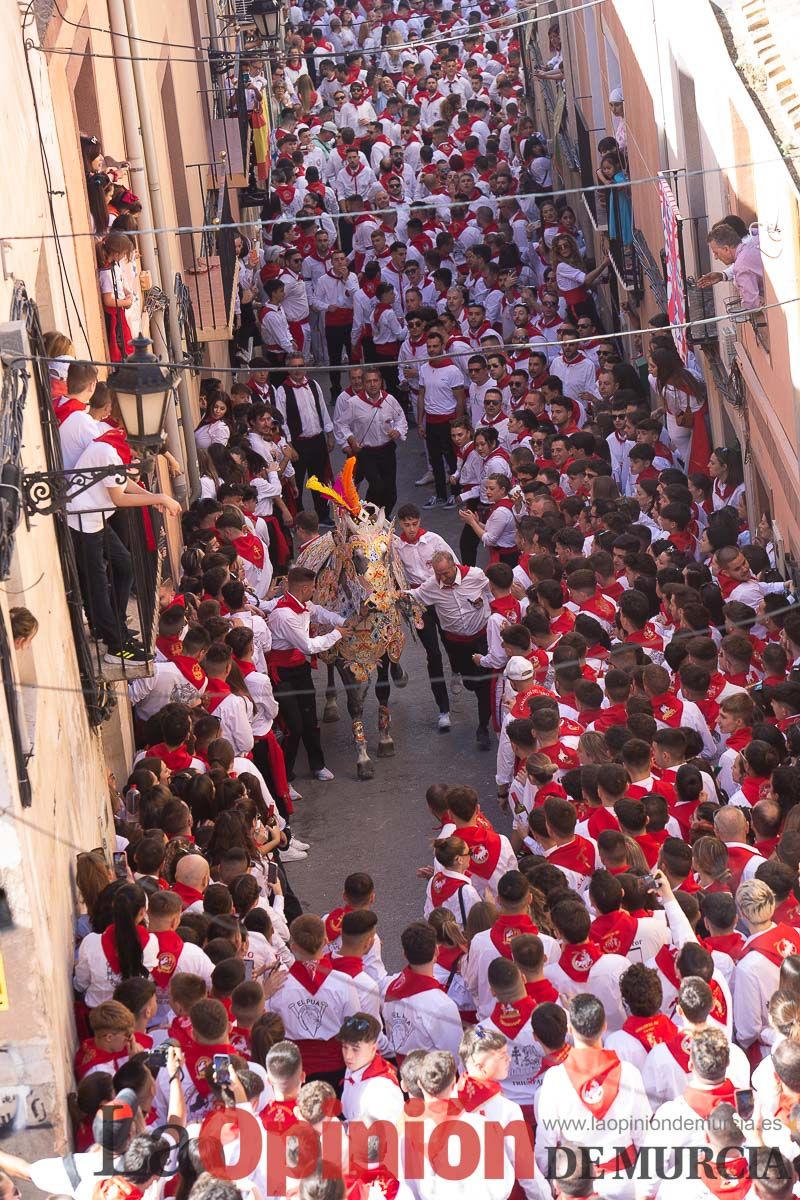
[123, 950]
[214, 427]
[573, 281]
[684, 405]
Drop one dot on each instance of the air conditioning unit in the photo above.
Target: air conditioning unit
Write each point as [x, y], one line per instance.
[728, 342]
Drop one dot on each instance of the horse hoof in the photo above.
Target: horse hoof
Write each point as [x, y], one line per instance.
[330, 714]
[365, 770]
[386, 749]
[399, 675]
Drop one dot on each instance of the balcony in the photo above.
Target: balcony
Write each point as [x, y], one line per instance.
[211, 270]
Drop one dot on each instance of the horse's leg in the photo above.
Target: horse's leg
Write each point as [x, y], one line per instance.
[356, 692]
[331, 710]
[382, 690]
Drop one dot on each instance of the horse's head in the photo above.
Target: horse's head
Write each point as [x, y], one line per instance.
[369, 539]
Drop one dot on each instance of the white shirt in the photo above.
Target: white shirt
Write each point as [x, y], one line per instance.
[438, 382]
[755, 979]
[416, 556]
[332, 292]
[149, 694]
[79, 514]
[93, 974]
[259, 686]
[234, 715]
[275, 330]
[75, 434]
[318, 1016]
[429, 1020]
[370, 1099]
[577, 376]
[483, 951]
[306, 407]
[664, 1077]
[289, 631]
[368, 424]
[463, 607]
[602, 982]
[466, 895]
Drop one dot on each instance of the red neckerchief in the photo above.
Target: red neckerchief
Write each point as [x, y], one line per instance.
[118, 1188]
[241, 1038]
[169, 647]
[333, 922]
[169, 951]
[278, 1115]
[614, 932]
[379, 1068]
[507, 606]
[542, 991]
[729, 1180]
[448, 957]
[250, 547]
[178, 759]
[703, 1101]
[188, 895]
[245, 667]
[668, 709]
[108, 941]
[616, 714]
[577, 961]
[595, 1076]
[512, 1018]
[577, 855]
[738, 740]
[190, 669]
[508, 927]
[726, 943]
[474, 1093]
[347, 964]
[421, 533]
[410, 983]
[646, 637]
[726, 584]
[679, 1047]
[90, 1055]
[365, 399]
[287, 600]
[360, 1181]
[484, 849]
[751, 787]
[444, 886]
[70, 406]
[180, 1030]
[650, 1031]
[115, 438]
[788, 912]
[216, 691]
[311, 975]
[775, 944]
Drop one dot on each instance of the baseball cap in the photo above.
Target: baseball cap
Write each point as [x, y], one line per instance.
[518, 668]
[113, 1123]
[329, 127]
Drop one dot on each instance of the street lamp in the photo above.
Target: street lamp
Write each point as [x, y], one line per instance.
[266, 15]
[143, 389]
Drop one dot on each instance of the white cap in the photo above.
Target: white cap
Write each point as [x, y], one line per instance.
[329, 127]
[518, 668]
[616, 97]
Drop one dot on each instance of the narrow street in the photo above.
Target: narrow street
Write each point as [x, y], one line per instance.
[383, 826]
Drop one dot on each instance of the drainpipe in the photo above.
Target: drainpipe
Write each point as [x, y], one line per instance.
[141, 142]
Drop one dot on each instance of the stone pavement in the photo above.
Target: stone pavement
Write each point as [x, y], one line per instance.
[383, 825]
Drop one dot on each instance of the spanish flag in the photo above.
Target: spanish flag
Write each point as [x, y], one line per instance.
[259, 122]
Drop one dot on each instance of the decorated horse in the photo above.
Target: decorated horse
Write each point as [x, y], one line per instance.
[360, 576]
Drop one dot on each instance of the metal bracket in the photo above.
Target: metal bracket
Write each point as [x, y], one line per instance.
[47, 492]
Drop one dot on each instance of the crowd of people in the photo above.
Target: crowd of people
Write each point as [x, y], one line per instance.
[608, 972]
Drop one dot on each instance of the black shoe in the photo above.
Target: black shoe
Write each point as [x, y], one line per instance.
[399, 675]
[131, 652]
[482, 738]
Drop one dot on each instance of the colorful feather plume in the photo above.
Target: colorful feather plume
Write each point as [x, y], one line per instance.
[344, 492]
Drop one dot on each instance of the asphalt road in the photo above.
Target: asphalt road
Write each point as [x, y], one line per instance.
[383, 826]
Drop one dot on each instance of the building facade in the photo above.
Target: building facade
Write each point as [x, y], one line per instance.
[710, 111]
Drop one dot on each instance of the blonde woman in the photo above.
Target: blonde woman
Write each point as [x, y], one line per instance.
[573, 281]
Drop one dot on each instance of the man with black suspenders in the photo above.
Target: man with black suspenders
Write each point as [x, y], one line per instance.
[303, 408]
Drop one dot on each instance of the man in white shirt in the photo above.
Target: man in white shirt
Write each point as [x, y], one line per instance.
[76, 426]
[756, 975]
[417, 547]
[292, 646]
[275, 333]
[441, 397]
[369, 424]
[370, 1091]
[582, 966]
[305, 413]
[460, 597]
[332, 296]
[417, 1012]
[574, 369]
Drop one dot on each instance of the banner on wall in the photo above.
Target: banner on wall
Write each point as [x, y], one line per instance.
[676, 296]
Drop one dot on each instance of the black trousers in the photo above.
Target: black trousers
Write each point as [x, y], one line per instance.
[312, 460]
[469, 541]
[106, 578]
[441, 454]
[429, 636]
[476, 679]
[297, 702]
[391, 378]
[378, 465]
[337, 338]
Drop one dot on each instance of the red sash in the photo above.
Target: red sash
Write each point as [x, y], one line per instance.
[650, 1031]
[614, 932]
[595, 1076]
[510, 1019]
[251, 548]
[108, 941]
[577, 961]
[679, 1047]
[484, 849]
[410, 983]
[169, 951]
[506, 928]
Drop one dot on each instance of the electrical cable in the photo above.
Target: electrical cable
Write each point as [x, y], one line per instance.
[426, 202]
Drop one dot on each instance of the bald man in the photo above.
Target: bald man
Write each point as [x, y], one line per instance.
[730, 826]
[192, 877]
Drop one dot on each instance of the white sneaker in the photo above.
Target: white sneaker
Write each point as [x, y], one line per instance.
[324, 776]
[294, 794]
[292, 854]
[426, 478]
[456, 686]
[298, 845]
[444, 722]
